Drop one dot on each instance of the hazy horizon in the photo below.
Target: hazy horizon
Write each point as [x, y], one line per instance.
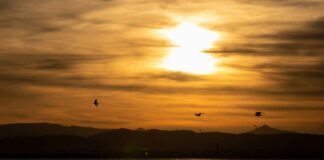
[194, 130]
[154, 64]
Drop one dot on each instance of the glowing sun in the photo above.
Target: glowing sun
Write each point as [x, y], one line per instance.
[188, 56]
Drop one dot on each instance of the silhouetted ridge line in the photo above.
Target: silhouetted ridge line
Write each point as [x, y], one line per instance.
[39, 129]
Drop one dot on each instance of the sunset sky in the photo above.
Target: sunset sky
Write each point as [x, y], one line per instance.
[154, 63]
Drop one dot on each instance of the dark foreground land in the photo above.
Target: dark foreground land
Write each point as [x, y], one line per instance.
[89, 142]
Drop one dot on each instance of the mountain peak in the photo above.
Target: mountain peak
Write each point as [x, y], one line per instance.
[267, 130]
[265, 126]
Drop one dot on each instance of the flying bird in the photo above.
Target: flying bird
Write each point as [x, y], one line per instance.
[95, 102]
[199, 114]
[259, 114]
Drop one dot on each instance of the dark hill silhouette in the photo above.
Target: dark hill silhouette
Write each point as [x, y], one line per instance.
[267, 130]
[40, 129]
[154, 143]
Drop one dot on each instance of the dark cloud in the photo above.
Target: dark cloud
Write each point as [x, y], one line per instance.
[12, 92]
[23, 70]
[44, 61]
[291, 48]
[36, 16]
[310, 32]
[18, 18]
[4, 4]
[309, 39]
[294, 75]
[291, 70]
[84, 82]
[285, 3]
[289, 76]
[285, 108]
[304, 39]
[175, 76]
[57, 70]
[304, 79]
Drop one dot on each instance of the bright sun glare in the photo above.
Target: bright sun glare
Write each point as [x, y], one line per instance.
[188, 56]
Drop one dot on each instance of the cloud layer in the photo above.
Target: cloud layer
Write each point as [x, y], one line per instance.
[56, 56]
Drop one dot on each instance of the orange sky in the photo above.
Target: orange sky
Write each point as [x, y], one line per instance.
[56, 56]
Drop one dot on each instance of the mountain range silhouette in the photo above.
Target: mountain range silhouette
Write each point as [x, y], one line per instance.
[41, 129]
[46, 140]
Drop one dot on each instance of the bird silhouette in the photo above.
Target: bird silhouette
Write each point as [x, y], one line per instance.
[259, 114]
[96, 103]
[199, 114]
